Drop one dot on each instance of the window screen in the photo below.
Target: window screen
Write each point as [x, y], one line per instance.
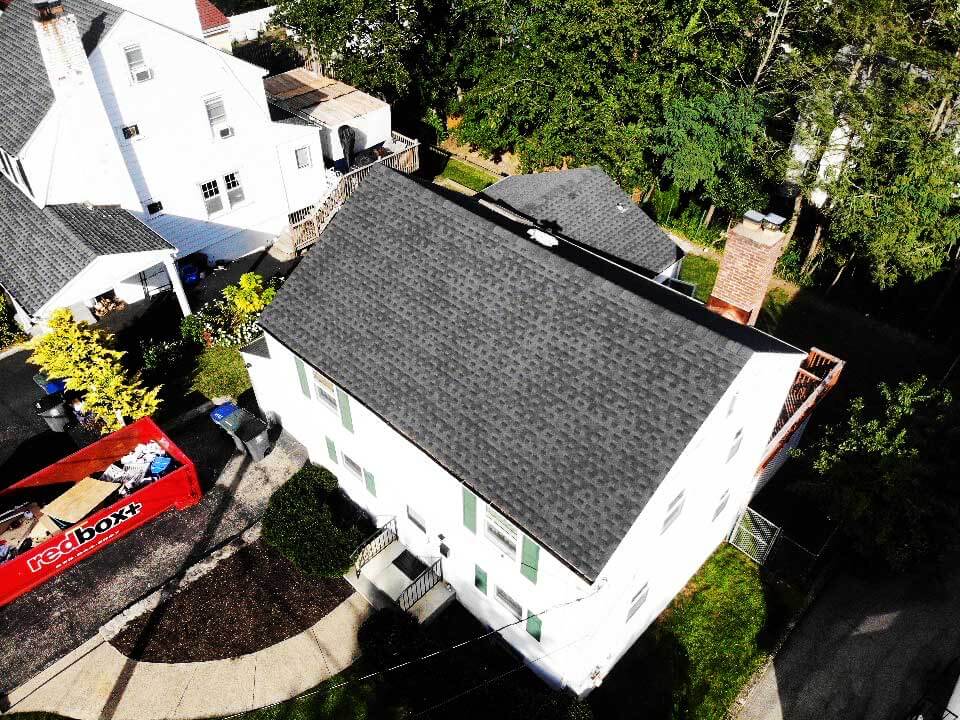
[216, 111]
[211, 197]
[352, 466]
[501, 532]
[326, 390]
[234, 188]
[139, 72]
[509, 603]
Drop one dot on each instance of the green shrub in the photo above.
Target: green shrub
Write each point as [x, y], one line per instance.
[10, 333]
[300, 523]
[191, 329]
[664, 203]
[221, 372]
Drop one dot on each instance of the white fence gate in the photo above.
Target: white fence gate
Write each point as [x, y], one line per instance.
[754, 535]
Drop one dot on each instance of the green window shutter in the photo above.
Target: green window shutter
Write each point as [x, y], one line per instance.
[480, 579]
[345, 417]
[534, 626]
[529, 559]
[371, 484]
[332, 449]
[302, 372]
[469, 511]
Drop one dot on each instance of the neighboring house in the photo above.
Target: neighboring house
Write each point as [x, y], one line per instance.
[125, 104]
[563, 440]
[587, 207]
[215, 26]
[250, 25]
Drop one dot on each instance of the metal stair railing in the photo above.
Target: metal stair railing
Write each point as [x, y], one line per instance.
[375, 544]
[424, 583]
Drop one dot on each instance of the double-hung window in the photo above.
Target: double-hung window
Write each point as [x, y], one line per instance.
[735, 446]
[501, 532]
[213, 191]
[353, 466]
[673, 512]
[637, 601]
[416, 519]
[220, 127]
[509, 603]
[139, 71]
[721, 506]
[326, 391]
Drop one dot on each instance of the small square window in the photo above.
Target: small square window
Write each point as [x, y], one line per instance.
[304, 160]
[131, 131]
[154, 207]
[735, 447]
[234, 188]
[673, 512]
[724, 499]
[211, 197]
[637, 601]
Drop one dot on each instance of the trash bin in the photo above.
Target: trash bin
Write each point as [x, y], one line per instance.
[252, 432]
[53, 410]
[225, 416]
[49, 385]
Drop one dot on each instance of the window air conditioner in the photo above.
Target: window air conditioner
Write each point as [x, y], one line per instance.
[143, 75]
[222, 131]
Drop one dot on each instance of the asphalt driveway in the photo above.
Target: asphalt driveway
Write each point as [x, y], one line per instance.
[865, 649]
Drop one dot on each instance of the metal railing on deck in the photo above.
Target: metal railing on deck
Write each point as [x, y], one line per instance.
[375, 544]
[425, 582]
[307, 224]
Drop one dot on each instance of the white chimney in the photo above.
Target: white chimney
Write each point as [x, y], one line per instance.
[61, 48]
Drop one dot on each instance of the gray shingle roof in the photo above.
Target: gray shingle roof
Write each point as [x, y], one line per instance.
[44, 249]
[582, 204]
[25, 93]
[559, 396]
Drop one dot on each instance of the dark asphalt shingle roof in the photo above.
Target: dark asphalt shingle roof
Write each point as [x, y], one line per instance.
[582, 204]
[44, 249]
[560, 397]
[25, 92]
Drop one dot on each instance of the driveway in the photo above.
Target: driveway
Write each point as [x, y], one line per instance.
[865, 649]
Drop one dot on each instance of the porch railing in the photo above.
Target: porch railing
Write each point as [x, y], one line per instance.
[817, 376]
[425, 582]
[307, 224]
[375, 544]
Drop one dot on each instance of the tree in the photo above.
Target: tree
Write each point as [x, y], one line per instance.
[82, 356]
[892, 475]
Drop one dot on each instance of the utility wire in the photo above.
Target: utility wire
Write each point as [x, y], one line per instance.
[428, 656]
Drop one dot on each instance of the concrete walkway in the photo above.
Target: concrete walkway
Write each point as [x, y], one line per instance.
[84, 685]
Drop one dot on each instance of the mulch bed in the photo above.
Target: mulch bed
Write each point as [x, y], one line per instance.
[250, 601]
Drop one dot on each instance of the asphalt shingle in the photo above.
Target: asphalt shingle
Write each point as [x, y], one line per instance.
[44, 249]
[587, 206]
[560, 397]
[25, 92]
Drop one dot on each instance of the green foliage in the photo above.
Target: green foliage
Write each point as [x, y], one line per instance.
[716, 622]
[665, 203]
[231, 320]
[300, 523]
[83, 357]
[891, 473]
[702, 271]
[249, 296]
[468, 176]
[220, 372]
[10, 333]
[191, 329]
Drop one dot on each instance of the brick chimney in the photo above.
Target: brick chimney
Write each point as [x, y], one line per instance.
[753, 247]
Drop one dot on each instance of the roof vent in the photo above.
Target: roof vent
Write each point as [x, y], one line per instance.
[545, 239]
[621, 207]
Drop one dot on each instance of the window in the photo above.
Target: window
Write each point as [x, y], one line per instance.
[352, 466]
[211, 197]
[304, 160]
[723, 504]
[234, 188]
[415, 518]
[480, 579]
[637, 601]
[735, 447]
[501, 532]
[733, 405]
[130, 132]
[673, 512]
[509, 603]
[139, 72]
[534, 626]
[217, 117]
[154, 206]
[326, 391]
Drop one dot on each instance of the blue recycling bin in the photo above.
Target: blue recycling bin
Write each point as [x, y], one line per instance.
[50, 386]
[221, 415]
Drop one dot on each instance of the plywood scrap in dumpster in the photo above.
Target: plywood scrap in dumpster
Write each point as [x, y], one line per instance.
[80, 500]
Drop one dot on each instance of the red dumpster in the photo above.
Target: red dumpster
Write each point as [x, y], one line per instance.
[178, 488]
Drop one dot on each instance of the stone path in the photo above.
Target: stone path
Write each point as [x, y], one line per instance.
[96, 682]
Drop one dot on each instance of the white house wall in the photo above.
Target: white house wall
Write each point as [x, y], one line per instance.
[176, 150]
[371, 128]
[584, 628]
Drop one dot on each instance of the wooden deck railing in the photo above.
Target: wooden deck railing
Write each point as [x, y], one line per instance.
[307, 224]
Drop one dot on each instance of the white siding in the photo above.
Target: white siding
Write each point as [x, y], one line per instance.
[588, 633]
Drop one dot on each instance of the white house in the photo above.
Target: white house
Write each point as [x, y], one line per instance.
[568, 439]
[125, 104]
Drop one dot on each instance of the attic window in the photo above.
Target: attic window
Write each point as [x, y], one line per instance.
[139, 72]
[131, 131]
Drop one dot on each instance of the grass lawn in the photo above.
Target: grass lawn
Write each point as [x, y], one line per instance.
[468, 175]
[221, 372]
[702, 271]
